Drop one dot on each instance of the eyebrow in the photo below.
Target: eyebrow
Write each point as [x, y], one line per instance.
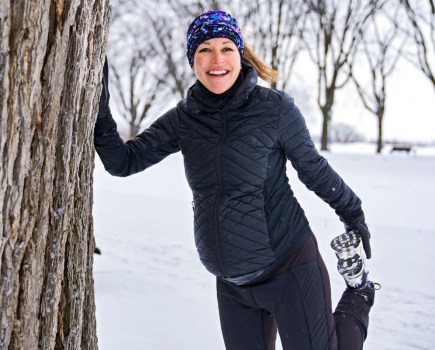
[223, 43]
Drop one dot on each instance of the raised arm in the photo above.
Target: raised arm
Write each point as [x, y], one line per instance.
[148, 148]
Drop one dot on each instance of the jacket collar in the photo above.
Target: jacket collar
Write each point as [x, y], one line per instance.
[199, 99]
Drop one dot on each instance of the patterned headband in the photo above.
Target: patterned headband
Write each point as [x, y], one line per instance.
[209, 25]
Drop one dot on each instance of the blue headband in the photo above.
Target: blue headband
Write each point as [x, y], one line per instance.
[209, 25]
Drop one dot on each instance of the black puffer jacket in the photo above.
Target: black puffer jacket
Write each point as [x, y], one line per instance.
[246, 216]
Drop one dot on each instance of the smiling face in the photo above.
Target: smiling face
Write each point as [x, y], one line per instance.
[216, 64]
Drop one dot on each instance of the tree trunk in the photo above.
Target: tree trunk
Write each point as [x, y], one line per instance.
[326, 114]
[51, 54]
[134, 130]
[380, 143]
[324, 140]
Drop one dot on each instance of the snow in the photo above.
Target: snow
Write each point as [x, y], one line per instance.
[153, 293]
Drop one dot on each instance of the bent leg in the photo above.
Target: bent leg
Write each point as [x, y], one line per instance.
[352, 316]
[299, 297]
[349, 333]
[352, 312]
[304, 315]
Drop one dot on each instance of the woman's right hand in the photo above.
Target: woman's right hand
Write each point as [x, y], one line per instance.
[103, 107]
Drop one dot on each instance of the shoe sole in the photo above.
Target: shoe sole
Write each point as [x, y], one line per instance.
[351, 264]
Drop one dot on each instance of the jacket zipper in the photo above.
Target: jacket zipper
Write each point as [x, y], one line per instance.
[219, 192]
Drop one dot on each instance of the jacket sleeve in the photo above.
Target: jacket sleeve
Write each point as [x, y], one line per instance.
[148, 148]
[312, 169]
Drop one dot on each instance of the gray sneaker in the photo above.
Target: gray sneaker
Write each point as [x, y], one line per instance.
[351, 259]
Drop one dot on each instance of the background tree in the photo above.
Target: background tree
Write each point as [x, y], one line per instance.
[382, 46]
[279, 31]
[342, 132]
[149, 69]
[420, 28]
[333, 33]
[137, 85]
[51, 55]
[170, 44]
[136, 80]
[274, 31]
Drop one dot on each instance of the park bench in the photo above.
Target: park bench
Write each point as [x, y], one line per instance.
[401, 148]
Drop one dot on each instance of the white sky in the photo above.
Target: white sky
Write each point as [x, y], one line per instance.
[409, 114]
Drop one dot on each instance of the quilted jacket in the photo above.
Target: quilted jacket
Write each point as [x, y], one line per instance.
[246, 216]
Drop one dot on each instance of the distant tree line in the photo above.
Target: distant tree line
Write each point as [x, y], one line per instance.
[355, 42]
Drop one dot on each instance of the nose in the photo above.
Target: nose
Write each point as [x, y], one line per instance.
[217, 57]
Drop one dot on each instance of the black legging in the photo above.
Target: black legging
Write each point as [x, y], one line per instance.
[296, 300]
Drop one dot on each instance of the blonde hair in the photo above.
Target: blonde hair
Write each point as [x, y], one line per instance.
[266, 73]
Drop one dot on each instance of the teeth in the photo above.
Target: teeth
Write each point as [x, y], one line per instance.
[217, 72]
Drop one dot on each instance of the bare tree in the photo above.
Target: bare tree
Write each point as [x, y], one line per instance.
[382, 47]
[342, 132]
[51, 55]
[162, 30]
[137, 83]
[420, 28]
[170, 44]
[149, 69]
[333, 33]
[274, 29]
[137, 88]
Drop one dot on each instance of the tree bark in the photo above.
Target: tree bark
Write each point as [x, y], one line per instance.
[51, 55]
[380, 143]
[325, 132]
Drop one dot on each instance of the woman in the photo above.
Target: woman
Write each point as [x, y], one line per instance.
[250, 231]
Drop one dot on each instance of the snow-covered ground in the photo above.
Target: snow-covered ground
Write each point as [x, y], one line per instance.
[153, 293]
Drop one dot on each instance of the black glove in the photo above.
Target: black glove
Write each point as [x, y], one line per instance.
[103, 107]
[355, 221]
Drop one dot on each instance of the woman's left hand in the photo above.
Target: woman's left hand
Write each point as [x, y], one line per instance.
[103, 107]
